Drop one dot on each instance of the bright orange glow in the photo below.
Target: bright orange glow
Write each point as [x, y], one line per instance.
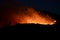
[26, 16]
[32, 16]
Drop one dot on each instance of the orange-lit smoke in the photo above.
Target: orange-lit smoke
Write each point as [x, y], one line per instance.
[32, 16]
[28, 15]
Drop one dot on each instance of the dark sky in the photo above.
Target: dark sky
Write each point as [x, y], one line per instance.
[48, 5]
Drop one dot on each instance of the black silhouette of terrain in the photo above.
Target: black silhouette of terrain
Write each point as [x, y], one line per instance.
[30, 28]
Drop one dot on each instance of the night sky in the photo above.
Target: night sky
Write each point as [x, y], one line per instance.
[47, 5]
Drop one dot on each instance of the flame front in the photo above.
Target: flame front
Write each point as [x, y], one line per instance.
[26, 16]
[32, 16]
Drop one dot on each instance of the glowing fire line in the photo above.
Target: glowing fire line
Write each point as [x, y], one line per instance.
[27, 16]
[33, 16]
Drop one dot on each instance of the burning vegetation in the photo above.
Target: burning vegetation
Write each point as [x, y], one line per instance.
[25, 16]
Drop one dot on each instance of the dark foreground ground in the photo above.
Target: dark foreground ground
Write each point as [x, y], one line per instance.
[31, 28]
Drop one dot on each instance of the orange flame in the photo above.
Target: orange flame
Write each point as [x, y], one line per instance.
[32, 16]
[26, 16]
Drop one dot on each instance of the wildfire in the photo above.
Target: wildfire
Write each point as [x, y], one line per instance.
[25, 16]
[32, 16]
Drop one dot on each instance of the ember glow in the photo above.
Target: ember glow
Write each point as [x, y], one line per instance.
[28, 15]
